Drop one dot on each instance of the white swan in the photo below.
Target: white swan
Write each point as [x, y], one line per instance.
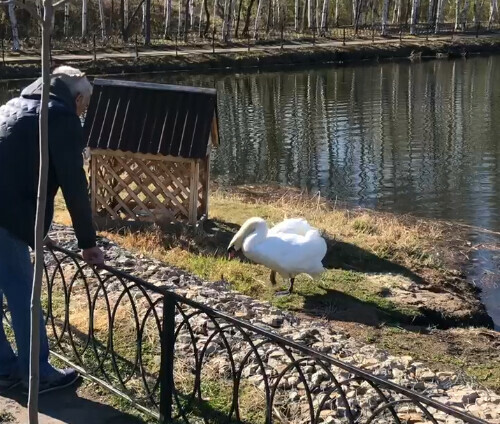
[290, 248]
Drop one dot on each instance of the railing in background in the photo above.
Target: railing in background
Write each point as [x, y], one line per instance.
[193, 38]
[176, 359]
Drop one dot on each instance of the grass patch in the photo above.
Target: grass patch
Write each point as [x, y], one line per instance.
[370, 256]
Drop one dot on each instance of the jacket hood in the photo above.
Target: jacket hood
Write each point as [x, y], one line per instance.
[58, 91]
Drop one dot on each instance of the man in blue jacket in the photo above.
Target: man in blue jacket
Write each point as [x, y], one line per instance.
[69, 97]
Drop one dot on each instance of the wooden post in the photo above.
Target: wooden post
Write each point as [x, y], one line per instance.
[136, 49]
[206, 189]
[213, 40]
[93, 183]
[343, 41]
[95, 54]
[193, 192]
[176, 45]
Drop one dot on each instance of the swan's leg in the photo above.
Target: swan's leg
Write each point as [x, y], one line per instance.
[286, 292]
[272, 277]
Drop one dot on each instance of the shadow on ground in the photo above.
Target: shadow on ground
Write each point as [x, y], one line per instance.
[65, 406]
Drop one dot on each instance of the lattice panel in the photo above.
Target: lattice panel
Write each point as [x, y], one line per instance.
[134, 187]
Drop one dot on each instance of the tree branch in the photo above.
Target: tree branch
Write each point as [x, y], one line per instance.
[61, 2]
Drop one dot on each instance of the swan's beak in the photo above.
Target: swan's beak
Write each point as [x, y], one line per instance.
[231, 252]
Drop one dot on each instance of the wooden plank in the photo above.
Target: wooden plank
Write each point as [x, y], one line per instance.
[214, 133]
[193, 200]
[206, 188]
[144, 156]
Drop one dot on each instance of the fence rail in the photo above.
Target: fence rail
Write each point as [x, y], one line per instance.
[181, 361]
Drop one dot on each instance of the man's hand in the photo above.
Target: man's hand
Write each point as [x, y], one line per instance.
[93, 256]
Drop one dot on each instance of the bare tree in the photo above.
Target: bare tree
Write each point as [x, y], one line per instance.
[337, 12]
[430, 12]
[396, 14]
[168, 16]
[16, 45]
[102, 19]
[414, 16]
[296, 11]
[257, 19]
[324, 15]
[84, 18]
[247, 18]
[493, 12]
[439, 15]
[385, 16]
[66, 19]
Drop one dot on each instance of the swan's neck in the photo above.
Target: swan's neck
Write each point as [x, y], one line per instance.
[258, 235]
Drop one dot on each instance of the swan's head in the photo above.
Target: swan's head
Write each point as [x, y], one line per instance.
[250, 226]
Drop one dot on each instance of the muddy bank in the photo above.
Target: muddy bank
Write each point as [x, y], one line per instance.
[262, 59]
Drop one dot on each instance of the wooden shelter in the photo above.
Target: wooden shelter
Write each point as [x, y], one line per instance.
[150, 150]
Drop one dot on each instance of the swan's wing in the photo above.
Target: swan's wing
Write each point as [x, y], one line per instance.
[290, 254]
[291, 226]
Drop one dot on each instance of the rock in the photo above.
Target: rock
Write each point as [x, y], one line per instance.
[273, 320]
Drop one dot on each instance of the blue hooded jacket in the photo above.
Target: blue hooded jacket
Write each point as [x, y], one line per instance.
[19, 162]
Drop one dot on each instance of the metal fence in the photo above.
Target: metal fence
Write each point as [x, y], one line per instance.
[180, 361]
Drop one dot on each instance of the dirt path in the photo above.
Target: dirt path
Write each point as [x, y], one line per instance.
[186, 51]
[72, 406]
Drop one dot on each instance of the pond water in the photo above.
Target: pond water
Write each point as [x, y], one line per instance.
[421, 138]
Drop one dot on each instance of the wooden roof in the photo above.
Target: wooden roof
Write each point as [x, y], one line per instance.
[151, 118]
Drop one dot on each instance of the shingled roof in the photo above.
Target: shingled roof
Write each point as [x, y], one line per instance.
[151, 118]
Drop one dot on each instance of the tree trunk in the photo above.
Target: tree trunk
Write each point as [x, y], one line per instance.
[439, 15]
[102, 19]
[493, 13]
[186, 20]
[476, 13]
[191, 13]
[414, 16]
[324, 15]
[457, 13]
[232, 9]
[296, 11]
[168, 17]
[16, 45]
[257, 19]
[430, 13]
[337, 12]
[304, 14]
[225, 19]
[40, 215]
[247, 18]
[396, 14]
[125, 10]
[84, 18]
[310, 13]
[463, 15]
[66, 19]
[385, 17]
[270, 5]
[147, 22]
[238, 19]
[207, 23]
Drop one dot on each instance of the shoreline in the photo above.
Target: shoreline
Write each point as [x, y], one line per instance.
[263, 57]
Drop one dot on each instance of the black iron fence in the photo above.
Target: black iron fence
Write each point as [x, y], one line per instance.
[180, 361]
